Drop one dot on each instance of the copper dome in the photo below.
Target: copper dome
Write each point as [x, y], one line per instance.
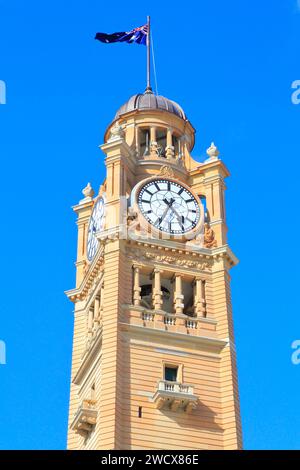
[148, 100]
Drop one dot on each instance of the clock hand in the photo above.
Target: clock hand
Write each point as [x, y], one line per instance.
[169, 203]
[179, 217]
[160, 219]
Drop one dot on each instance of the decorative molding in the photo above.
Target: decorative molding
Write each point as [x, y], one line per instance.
[199, 262]
[91, 279]
[116, 132]
[171, 250]
[166, 171]
[176, 165]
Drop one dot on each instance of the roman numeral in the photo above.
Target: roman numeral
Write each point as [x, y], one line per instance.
[182, 189]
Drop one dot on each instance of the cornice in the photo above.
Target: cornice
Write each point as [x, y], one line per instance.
[225, 252]
[83, 206]
[210, 165]
[119, 144]
[94, 268]
[200, 257]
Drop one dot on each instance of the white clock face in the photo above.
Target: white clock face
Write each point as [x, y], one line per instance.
[169, 206]
[96, 225]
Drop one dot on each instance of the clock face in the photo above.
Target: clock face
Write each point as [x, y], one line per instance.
[169, 206]
[96, 225]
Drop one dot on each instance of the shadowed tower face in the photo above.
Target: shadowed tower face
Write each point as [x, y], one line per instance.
[153, 363]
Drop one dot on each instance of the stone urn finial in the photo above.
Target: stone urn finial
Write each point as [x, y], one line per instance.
[88, 191]
[213, 151]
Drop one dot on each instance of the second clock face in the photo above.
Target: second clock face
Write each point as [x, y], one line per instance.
[169, 206]
[95, 225]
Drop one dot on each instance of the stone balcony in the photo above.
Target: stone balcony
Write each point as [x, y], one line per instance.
[85, 417]
[174, 396]
[161, 320]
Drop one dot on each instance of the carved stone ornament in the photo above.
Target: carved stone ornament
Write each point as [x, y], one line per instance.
[88, 191]
[131, 215]
[213, 151]
[85, 267]
[209, 237]
[116, 132]
[93, 275]
[166, 171]
[167, 259]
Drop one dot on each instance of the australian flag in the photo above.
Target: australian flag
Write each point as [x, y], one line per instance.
[137, 35]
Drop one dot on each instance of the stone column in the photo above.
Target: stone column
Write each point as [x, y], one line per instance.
[180, 149]
[178, 296]
[137, 141]
[156, 290]
[200, 302]
[90, 321]
[203, 298]
[153, 143]
[97, 311]
[136, 286]
[101, 302]
[169, 148]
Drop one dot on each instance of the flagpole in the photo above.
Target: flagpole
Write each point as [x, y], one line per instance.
[148, 89]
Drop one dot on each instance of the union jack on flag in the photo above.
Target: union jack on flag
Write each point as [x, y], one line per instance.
[137, 35]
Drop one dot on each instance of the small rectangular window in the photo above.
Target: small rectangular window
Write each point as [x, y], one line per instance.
[171, 373]
[140, 412]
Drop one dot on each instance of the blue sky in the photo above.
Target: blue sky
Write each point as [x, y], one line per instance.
[230, 65]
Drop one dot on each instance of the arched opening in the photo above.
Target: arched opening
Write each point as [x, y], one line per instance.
[161, 139]
[175, 143]
[146, 296]
[144, 142]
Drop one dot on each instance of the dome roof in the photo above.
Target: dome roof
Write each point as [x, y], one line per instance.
[149, 100]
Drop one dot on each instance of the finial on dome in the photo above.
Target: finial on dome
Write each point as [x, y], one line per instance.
[148, 90]
[213, 151]
[88, 193]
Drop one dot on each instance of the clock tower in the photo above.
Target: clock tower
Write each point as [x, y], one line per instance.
[154, 363]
